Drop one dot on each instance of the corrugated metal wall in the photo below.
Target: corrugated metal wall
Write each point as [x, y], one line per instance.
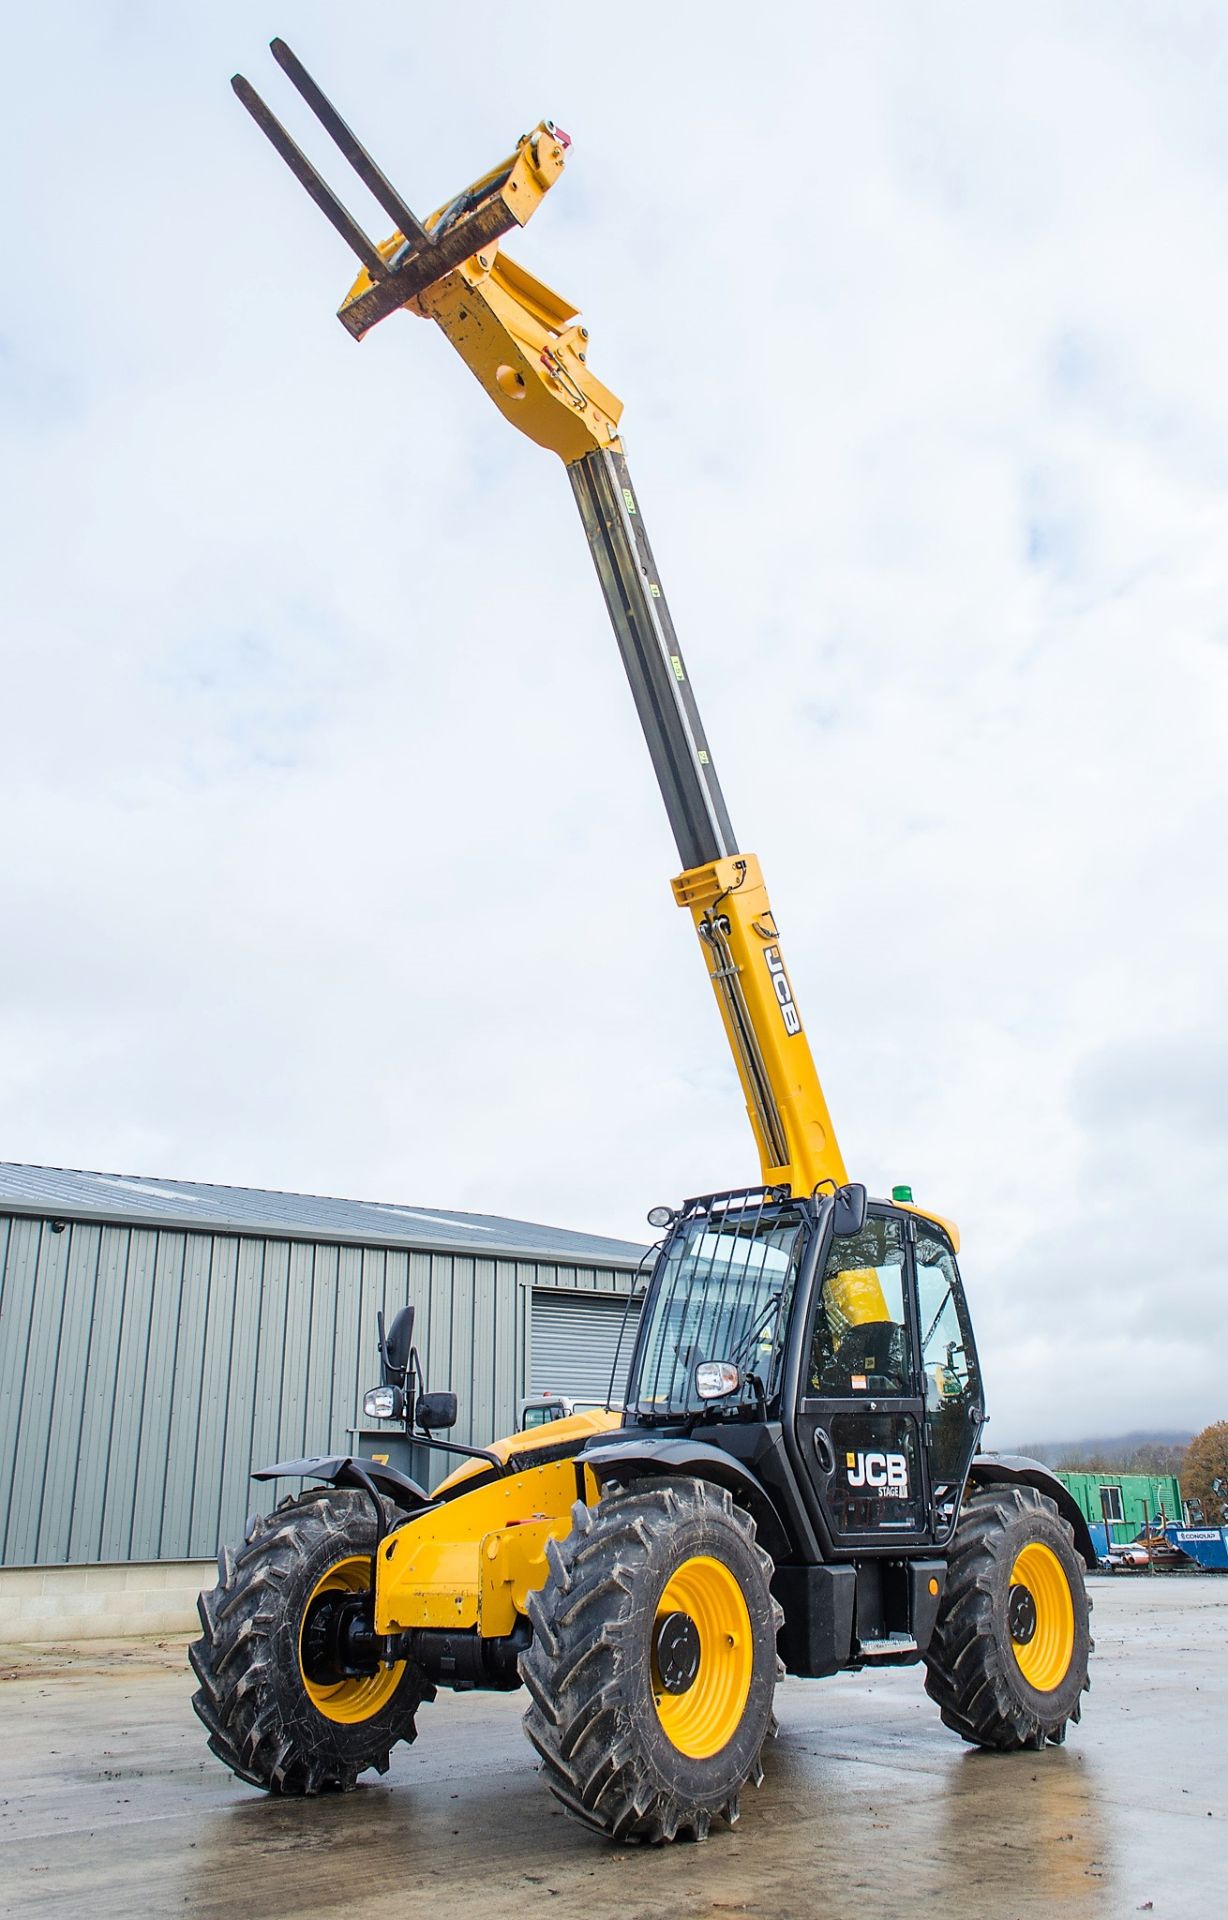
[144, 1371]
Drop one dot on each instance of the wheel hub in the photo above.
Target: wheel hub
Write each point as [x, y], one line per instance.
[1021, 1615]
[676, 1651]
[337, 1641]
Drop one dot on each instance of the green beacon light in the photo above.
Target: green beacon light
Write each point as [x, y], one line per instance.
[902, 1195]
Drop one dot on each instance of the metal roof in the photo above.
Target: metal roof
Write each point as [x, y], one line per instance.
[73, 1194]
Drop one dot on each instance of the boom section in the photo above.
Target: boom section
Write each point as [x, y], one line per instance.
[527, 347]
[652, 657]
[721, 888]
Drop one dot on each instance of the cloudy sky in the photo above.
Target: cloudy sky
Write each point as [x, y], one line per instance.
[331, 858]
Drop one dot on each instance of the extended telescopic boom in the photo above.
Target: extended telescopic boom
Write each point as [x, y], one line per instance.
[529, 351]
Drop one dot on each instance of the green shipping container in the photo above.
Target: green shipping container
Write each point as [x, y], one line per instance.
[1126, 1503]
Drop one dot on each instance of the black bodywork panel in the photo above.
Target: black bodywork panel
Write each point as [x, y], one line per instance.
[337, 1469]
[630, 1455]
[819, 1603]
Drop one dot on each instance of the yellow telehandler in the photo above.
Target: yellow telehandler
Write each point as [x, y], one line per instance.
[793, 1483]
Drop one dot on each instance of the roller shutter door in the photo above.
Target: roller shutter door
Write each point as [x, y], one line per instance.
[575, 1338]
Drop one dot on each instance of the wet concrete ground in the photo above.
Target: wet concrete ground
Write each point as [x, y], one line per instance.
[111, 1804]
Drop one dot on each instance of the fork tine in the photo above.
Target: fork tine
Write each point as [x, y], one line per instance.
[303, 171]
[372, 176]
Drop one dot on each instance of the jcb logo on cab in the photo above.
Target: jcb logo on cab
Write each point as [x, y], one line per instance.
[887, 1470]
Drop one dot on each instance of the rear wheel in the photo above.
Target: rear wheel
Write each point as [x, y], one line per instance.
[653, 1663]
[1008, 1660]
[286, 1707]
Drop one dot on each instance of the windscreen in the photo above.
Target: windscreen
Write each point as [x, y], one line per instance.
[722, 1291]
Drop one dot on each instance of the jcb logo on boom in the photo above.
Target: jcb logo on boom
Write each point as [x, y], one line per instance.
[782, 990]
[886, 1470]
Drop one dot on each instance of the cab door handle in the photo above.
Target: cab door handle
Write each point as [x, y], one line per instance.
[824, 1451]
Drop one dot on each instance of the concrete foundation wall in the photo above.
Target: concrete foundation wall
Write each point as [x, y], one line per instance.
[101, 1603]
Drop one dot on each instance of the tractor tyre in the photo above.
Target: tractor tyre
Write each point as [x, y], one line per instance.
[1008, 1661]
[653, 1662]
[278, 1711]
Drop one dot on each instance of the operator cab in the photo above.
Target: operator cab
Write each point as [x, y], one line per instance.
[838, 1330]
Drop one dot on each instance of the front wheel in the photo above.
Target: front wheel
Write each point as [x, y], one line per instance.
[1008, 1661]
[284, 1707]
[653, 1664]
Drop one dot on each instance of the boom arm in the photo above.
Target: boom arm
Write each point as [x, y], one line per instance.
[528, 349]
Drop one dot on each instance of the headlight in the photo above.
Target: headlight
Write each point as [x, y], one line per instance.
[715, 1378]
[381, 1403]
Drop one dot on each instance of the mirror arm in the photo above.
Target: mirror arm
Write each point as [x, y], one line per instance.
[753, 1380]
[415, 1385]
[423, 1438]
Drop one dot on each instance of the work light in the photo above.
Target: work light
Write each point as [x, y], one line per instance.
[383, 1403]
[715, 1378]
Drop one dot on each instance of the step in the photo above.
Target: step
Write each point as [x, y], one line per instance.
[894, 1644]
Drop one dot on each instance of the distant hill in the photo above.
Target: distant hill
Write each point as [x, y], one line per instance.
[1122, 1453]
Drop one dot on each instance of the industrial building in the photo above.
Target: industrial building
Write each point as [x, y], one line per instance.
[159, 1338]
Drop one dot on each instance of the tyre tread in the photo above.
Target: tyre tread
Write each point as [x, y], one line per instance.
[591, 1760]
[965, 1673]
[236, 1698]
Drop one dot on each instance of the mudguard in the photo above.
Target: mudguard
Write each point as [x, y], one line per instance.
[338, 1470]
[634, 1458]
[1016, 1468]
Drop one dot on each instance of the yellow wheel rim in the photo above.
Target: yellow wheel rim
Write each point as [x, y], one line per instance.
[1044, 1653]
[348, 1701]
[705, 1718]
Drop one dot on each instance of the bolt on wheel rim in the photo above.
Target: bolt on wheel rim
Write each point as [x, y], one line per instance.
[1040, 1612]
[359, 1697]
[704, 1717]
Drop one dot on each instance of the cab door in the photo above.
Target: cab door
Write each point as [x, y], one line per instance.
[861, 1409]
[950, 1375]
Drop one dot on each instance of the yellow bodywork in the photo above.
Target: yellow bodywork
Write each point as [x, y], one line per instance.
[728, 903]
[527, 347]
[925, 1213]
[472, 1561]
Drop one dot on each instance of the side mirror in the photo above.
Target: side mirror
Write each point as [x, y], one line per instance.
[850, 1213]
[397, 1344]
[435, 1410]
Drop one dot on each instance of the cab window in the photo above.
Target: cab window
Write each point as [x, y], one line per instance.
[947, 1358]
[860, 1342]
